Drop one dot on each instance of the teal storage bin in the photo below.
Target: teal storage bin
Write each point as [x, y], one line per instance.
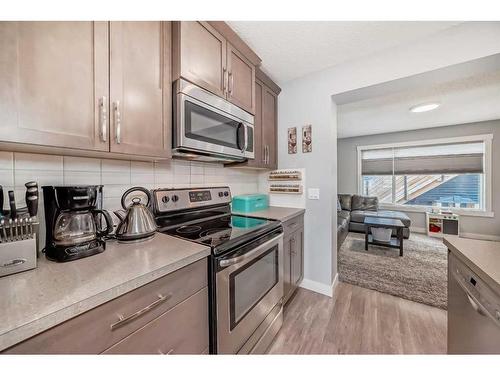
[250, 202]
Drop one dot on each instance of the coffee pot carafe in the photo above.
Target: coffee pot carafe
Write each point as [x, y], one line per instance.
[72, 218]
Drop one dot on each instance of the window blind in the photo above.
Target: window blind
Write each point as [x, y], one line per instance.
[452, 158]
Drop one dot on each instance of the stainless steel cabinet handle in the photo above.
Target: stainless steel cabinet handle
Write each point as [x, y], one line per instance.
[231, 83]
[292, 246]
[224, 80]
[103, 119]
[267, 154]
[118, 122]
[124, 320]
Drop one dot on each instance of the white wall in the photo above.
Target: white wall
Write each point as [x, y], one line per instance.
[316, 109]
[308, 100]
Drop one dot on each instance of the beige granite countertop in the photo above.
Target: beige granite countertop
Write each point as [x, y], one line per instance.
[482, 257]
[35, 300]
[275, 213]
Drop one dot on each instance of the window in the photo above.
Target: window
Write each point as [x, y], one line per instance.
[450, 174]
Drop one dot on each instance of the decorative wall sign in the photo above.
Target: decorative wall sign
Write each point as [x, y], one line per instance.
[292, 140]
[307, 138]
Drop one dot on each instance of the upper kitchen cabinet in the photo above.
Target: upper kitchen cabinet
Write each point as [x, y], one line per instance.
[212, 56]
[86, 88]
[140, 88]
[241, 80]
[265, 124]
[199, 53]
[54, 84]
[269, 127]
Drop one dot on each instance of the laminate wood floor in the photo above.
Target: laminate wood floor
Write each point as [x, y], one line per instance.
[359, 321]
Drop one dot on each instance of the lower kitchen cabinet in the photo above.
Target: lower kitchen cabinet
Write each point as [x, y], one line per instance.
[181, 330]
[167, 316]
[293, 259]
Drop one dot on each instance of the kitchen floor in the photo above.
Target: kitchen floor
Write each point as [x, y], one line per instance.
[359, 321]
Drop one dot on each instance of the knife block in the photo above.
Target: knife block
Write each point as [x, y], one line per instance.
[17, 256]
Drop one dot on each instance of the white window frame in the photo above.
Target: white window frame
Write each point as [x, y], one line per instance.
[487, 185]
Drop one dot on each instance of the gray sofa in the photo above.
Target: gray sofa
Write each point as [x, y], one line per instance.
[353, 210]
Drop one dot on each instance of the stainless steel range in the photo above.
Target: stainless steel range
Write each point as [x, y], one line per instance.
[245, 268]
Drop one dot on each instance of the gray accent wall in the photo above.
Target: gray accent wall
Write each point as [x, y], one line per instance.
[482, 226]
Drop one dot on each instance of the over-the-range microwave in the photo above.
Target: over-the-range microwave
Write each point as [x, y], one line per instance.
[209, 128]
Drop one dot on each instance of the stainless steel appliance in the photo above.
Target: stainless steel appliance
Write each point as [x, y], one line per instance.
[209, 128]
[473, 312]
[71, 219]
[137, 222]
[245, 268]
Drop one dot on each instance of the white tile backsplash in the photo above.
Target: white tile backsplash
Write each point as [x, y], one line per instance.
[38, 162]
[116, 175]
[77, 164]
[6, 160]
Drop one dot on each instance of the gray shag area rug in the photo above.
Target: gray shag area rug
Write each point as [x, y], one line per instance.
[419, 275]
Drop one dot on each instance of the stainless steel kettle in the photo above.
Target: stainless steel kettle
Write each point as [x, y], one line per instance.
[137, 222]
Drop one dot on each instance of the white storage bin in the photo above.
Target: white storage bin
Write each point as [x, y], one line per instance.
[382, 234]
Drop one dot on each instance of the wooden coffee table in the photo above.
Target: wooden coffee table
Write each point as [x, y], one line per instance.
[378, 222]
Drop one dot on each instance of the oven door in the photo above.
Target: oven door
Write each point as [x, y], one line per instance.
[205, 126]
[249, 286]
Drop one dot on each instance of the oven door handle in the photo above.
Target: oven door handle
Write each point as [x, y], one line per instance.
[250, 254]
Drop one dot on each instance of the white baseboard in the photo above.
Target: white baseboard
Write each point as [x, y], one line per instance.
[321, 288]
[476, 236]
[418, 230]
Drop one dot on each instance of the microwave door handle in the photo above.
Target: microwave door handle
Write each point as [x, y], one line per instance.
[238, 135]
[245, 146]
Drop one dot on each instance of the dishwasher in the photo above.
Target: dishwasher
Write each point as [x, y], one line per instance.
[473, 312]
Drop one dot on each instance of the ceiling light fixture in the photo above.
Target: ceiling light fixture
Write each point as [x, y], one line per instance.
[424, 107]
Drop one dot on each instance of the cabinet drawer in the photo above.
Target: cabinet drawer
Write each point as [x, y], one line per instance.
[92, 332]
[293, 224]
[181, 330]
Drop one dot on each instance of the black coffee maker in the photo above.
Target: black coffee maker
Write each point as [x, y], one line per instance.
[72, 222]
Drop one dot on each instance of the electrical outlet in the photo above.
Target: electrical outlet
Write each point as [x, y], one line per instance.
[313, 193]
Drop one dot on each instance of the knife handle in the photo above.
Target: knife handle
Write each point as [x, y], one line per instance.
[32, 204]
[32, 197]
[12, 203]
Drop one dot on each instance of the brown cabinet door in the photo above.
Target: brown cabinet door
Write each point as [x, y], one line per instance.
[287, 281]
[140, 88]
[53, 75]
[258, 161]
[182, 330]
[269, 128]
[200, 55]
[241, 80]
[297, 257]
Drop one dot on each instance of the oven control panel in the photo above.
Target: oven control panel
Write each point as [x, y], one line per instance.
[167, 200]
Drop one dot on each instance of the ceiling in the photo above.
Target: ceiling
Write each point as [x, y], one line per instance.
[292, 49]
[471, 98]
